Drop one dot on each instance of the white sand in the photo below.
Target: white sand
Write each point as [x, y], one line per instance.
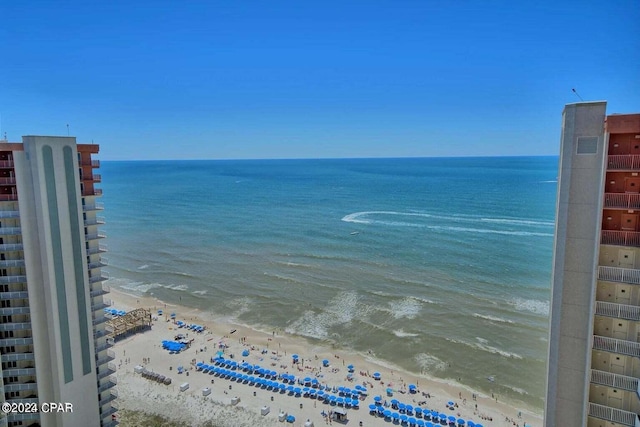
[137, 393]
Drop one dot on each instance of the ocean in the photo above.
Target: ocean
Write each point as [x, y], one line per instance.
[434, 265]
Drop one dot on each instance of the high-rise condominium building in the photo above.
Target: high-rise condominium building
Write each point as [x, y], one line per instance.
[594, 341]
[53, 343]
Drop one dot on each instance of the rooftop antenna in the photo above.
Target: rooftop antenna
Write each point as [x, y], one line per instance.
[573, 90]
[67, 129]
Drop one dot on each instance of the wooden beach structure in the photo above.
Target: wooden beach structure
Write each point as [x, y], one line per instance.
[138, 320]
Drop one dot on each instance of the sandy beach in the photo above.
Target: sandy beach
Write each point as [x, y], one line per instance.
[235, 403]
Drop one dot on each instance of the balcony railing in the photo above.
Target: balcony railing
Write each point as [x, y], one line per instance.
[613, 345]
[619, 311]
[7, 180]
[18, 326]
[103, 262]
[620, 238]
[111, 395]
[106, 370]
[97, 250]
[15, 357]
[622, 200]
[97, 177]
[18, 372]
[94, 236]
[9, 214]
[23, 417]
[97, 221]
[10, 231]
[102, 277]
[16, 341]
[623, 162]
[111, 382]
[6, 163]
[14, 295]
[611, 414]
[8, 247]
[110, 411]
[620, 275]
[21, 387]
[11, 263]
[12, 311]
[8, 197]
[614, 380]
[13, 279]
[93, 207]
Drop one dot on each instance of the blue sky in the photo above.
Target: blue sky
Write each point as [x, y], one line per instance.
[210, 80]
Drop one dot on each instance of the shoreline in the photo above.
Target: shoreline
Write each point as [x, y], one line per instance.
[279, 345]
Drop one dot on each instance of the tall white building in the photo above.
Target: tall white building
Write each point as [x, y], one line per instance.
[53, 342]
[594, 342]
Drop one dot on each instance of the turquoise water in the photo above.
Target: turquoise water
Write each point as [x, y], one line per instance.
[439, 266]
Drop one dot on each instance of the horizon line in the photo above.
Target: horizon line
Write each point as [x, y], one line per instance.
[328, 158]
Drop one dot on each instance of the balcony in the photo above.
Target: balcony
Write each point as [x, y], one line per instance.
[10, 231]
[620, 238]
[94, 236]
[14, 357]
[102, 277]
[14, 295]
[614, 415]
[8, 197]
[622, 200]
[23, 417]
[15, 341]
[110, 397]
[106, 359]
[13, 279]
[110, 383]
[621, 382]
[99, 292]
[11, 311]
[93, 207]
[97, 221]
[620, 275]
[21, 387]
[108, 412]
[7, 180]
[619, 311]
[15, 326]
[11, 247]
[98, 320]
[112, 423]
[6, 163]
[104, 346]
[103, 262]
[9, 214]
[97, 177]
[106, 370]
[18, 372]
[97, 250]
[623, 162]
[613, 345]
[5, 263]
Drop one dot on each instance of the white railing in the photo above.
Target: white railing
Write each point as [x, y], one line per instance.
[622, 200]
[620, 311]
[613, 345]
[623, 162]
[620, 238]
[621, 275]
[612, 414]
[614, 380]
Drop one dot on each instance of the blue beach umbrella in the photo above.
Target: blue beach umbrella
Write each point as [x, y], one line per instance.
[402, 406]
[387, 413]
[325, 362]
[421, 423]
[377, 398]
[443, 416]
[403, 418]
[412, 420]
[409, 408]
[451, 419]
[428, 424]
[450, 403]
[460, 422]
[396, 416]
[471, 424]
[376, 375]
[479, 425]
